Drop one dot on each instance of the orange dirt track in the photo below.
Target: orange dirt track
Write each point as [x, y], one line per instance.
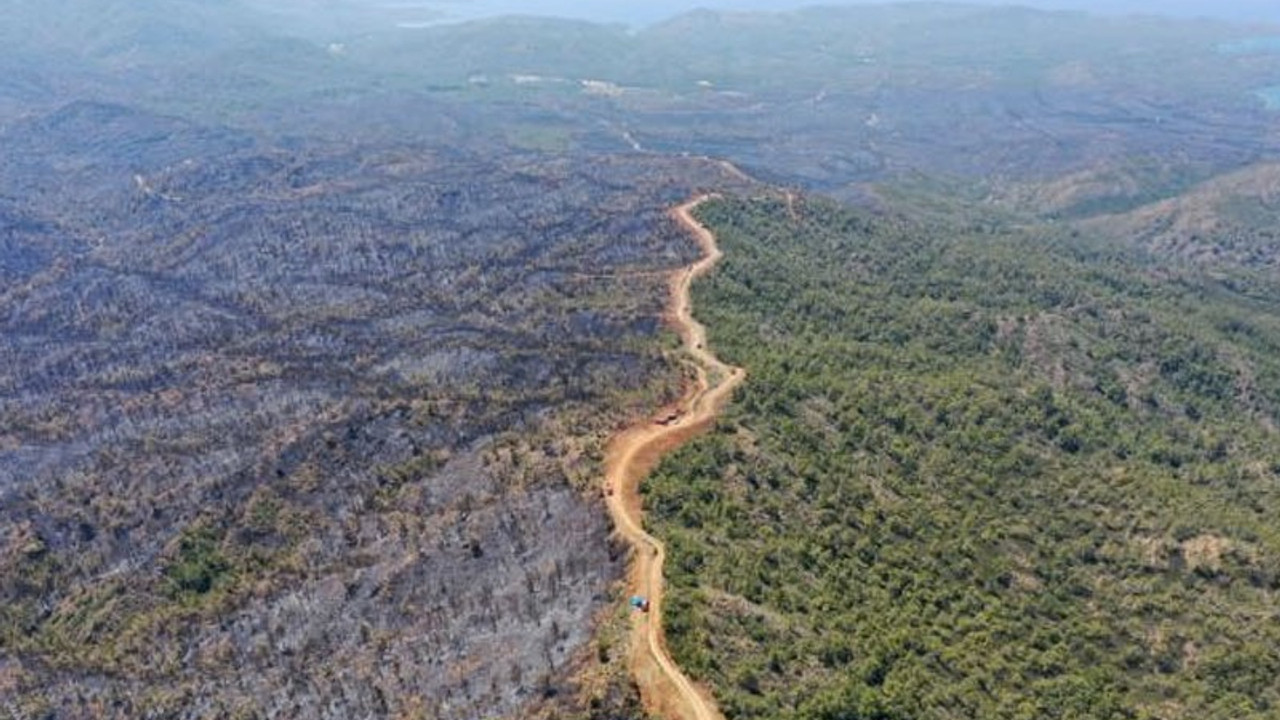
[632, 454]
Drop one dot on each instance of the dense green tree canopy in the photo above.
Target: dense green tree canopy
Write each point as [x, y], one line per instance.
[989, 471]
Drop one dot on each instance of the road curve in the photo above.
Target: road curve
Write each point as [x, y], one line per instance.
[666, 691]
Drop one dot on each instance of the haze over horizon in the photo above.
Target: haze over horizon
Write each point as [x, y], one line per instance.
[658, 10]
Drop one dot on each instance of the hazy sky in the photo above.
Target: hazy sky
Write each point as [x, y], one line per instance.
[647, 11]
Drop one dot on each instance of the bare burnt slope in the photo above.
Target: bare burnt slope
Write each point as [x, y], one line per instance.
[283, 431]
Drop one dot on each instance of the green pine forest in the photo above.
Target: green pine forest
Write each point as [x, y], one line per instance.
[980, 469]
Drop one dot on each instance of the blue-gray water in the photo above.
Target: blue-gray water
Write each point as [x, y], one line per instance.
[1270, 97]
[1267, 45]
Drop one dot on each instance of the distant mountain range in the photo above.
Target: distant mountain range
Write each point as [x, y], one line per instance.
[657, 10]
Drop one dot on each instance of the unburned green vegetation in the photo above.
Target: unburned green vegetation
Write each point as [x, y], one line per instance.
[978, 471]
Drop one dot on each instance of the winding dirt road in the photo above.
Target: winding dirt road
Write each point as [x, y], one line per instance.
[632, 454]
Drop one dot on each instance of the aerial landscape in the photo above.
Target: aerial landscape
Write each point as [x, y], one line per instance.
[738, 360]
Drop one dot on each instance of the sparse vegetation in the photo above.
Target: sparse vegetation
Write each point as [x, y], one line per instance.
[287, 385]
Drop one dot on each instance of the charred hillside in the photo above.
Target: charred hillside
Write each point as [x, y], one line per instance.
[308, 431]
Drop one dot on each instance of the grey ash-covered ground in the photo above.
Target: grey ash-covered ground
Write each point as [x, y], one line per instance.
[307, 432]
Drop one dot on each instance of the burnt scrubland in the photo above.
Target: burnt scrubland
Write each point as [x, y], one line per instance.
[312, 329]
[312, 431]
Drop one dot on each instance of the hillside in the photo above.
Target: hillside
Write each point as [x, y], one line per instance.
[1228, 220]
[828, 98]
[314, 329]
[991, 472]
[307, 431]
